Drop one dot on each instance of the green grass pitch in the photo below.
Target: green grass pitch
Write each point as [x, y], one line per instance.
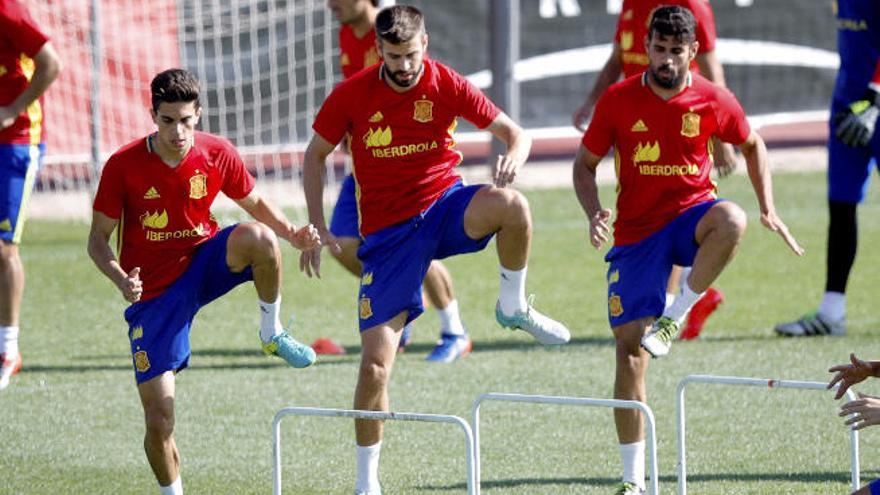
[71, 423]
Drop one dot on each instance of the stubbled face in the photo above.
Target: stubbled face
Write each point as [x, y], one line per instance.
[669, 59]
[176, 124]
[348, 11]
[404, 62]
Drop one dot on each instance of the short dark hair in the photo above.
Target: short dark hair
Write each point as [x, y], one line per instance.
[375, 3]
[399, 24]
[674, 21]
[173, 86]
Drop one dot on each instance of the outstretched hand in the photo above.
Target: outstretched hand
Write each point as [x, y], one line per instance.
[131, 286]
[310, 259]
[862, 412]
[599, 230]
[847, 375]
[773, 223]
[305, 238]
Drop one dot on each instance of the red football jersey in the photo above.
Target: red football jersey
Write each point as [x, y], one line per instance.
[164, 212]
[356, 53]
[632, 28]
[20, 40]
[662, 148]
[402, 144]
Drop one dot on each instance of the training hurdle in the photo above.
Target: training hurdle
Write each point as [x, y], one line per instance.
[651, 437]
[750, 382]
[377, 415]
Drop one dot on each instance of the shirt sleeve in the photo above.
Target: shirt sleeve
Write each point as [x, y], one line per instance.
[27, 37]
[600, 133]
[110, 197]
[706, 34]
[475, 106]
[237, 181]
[733, 127]
[332, 123]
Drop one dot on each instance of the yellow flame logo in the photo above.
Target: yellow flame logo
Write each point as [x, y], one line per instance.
[154, 220]
[646, 152]
[378, 137]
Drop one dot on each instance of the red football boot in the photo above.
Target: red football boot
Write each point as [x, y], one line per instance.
[704, 307]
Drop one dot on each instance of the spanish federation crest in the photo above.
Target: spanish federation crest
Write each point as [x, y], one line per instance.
[690, 125]
[141, 362]
[365, 309]
[198, 186]
[615, 307]
[423, 111]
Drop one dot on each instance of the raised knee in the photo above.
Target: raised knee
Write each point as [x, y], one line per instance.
[729, 220]
[257, 235]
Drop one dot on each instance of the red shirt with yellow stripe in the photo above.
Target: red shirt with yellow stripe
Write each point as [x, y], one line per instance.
[662, 148]
[632, 28]
[165, 212]
[20, 41]
[356, 54]
[402, 144]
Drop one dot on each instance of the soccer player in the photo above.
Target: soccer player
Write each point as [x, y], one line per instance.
[852, 148]
[28, 65]
[660, 124]
[862, 412]
[628, 58]
[174, 258]
[414, 208]
[357, 43]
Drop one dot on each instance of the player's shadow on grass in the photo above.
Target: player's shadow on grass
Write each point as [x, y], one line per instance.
[665, 480]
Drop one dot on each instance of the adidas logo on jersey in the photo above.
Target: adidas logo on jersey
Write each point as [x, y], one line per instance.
[639, 126]
[152, 193]
[377, 117]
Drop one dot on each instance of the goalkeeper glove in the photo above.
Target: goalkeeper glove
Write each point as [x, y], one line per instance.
[856, 124]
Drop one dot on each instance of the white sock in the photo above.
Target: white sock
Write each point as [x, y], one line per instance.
[682, 304]
[270, 323]
[9, 340]
[175, 488]
[633, 457]
[512, 295]
[685, 273]
[833, 306]
[368, 469]
[450, 320]
[670, 298]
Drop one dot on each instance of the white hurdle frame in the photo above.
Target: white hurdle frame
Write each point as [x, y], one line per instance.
[651, 437]
[377, 415]
[752, 382]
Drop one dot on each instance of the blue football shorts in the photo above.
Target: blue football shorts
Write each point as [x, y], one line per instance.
[849, 168]
[875, 487]
[396, 258]
[19, 164]
[158, 328]
[638, 272]
[345, 221]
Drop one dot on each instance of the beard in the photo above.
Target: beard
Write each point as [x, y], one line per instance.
[669, 79]
[396, 77]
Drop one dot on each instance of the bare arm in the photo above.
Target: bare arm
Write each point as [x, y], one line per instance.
[47, 67]
[755, 153]
[723, 155]
[518, 147]
[609, 74]
[129, 284]
[710, 67]
[265, 212]
[314, 164]
[587, 191]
